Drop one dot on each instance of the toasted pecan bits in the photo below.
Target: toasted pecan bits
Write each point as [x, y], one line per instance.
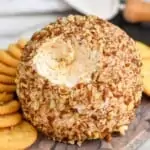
[80, 78]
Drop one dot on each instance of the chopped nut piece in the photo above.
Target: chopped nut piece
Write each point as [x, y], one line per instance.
[122, 129]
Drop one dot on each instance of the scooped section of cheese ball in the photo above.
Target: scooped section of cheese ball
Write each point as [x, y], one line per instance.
[79, 79]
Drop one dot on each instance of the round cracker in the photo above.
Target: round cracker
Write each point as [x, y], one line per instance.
[19, 137]
[7, 79]
[7, 70]
[7, 88]
[146, 74]
[21, 43]
[10, 120]
[5, 97]
[15, 51]
[144, 49]
[146, 67]
[146, 81]
[10, 107]
[7, 59]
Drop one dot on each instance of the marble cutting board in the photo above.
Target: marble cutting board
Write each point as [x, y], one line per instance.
[136, 138]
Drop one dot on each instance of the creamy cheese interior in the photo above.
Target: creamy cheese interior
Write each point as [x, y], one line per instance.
[65, 62]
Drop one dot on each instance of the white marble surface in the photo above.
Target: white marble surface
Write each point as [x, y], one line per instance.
[22, 18]
[14, 27]
[11, 7]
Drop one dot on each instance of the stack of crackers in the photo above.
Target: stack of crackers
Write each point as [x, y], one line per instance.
[145, 54]
[15, 133]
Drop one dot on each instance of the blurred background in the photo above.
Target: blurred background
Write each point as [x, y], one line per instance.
[22, 18]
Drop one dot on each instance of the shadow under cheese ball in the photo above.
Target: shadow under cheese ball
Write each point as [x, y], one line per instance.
[79, 79]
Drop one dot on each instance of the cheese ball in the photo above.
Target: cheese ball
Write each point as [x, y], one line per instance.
[79, 79]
